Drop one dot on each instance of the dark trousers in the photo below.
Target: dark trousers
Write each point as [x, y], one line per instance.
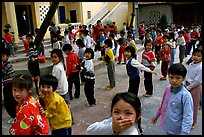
[164, 68]
[157, 49]
[9, 102]
[74, 79]
[63, 131]
[134, 85]
[89, 91]
[148, 83]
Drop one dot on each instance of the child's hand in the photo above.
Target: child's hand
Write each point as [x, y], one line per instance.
[153, 72]
[121, 125]
[154, 120]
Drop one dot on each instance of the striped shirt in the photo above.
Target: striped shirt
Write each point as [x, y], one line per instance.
[8, 72]
[33, 53]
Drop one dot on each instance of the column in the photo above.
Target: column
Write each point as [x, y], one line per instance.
[11, 19]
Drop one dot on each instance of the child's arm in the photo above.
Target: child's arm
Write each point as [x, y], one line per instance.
[138, 65]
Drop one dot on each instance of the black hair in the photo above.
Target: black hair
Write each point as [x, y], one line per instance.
[177, 69]
[166, 36]
[29, 36]
[131, 99]
[120, 41]
[89, 50]
[58, 52]
[122, 32]
[80, 42]
[6, 31]
[23, 81]
[50, 80]
[67, 47]
[37, 30]
[131, 50]
[196, 51]
[181, 32]
[108, 42]
[112, 35]
[6, 52]
[98, 21]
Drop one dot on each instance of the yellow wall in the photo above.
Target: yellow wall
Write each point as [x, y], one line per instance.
[94, 7]
[111, 5]
[4, 19]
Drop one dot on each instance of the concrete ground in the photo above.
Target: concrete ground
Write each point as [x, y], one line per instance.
[84, 116]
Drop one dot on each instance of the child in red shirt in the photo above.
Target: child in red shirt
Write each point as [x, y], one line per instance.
[165, 56]
[30, 118]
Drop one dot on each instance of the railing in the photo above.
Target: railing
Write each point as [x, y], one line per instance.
[111, 13]
[65, 26]
[98, 15]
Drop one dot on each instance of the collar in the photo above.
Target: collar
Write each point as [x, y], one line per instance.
[175, 91]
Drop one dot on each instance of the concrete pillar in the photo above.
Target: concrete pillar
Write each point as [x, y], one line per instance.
[11, 19]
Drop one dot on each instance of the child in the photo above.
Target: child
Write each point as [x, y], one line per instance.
[165, 57]
[131, 42]
[115, 44]
[59, 72]
[193, 81]
[30, 118]
[56, 109]
[88, 71]
[125, 111]
[25, 43]
[101, 41]
[66, 39]
[148, 60]
[157, 45]
[108, 60]
[121, 51]
[81, 50]
[173, 47]
[176, 108]
[56, 43]
[181, 43]
[8, 75]
[33, 64]
[9, 40]
[72, 73]
[133, 67]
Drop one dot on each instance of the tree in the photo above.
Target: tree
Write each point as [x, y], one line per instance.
[163, 24]
[133, 13]
[45, 24]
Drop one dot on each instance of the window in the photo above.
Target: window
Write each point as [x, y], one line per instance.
[89, 14]
[154, 17]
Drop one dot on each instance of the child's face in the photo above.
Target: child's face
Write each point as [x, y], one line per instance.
[87, 55]
[45, 90]
[127, 54]
[148, 46]
[55, 59]
[4, 57]
[175, 80]
[123, 110]
[197, 57]
[19, 94]
[165, 39]
[28, 39]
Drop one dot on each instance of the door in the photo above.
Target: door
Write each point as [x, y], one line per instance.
[19, 10]
[73, 16]
[62, 14]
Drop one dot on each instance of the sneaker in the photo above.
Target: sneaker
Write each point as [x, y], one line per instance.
[193, 126]
[118, 63]
[124, 63]
[163, 78]
[11, 121]
[147, 95]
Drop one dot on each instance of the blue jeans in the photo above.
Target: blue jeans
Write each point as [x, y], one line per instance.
[63, 131]
[173, 52]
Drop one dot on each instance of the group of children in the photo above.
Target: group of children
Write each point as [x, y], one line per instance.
[176, 99]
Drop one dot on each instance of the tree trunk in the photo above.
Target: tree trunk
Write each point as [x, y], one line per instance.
[45, 24]
[133, 13]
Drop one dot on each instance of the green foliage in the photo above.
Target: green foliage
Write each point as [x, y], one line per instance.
[67, 21]
[108, 22]
[163, 22]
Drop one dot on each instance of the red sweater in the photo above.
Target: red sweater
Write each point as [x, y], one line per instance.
[30, 119]
[8, 37]
[165, 52]
[72, 60]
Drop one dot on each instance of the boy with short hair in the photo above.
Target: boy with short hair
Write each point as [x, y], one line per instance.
[176, 108]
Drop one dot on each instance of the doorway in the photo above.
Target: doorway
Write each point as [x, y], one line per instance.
[19, 10]
[73, 16]
[62, 14]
